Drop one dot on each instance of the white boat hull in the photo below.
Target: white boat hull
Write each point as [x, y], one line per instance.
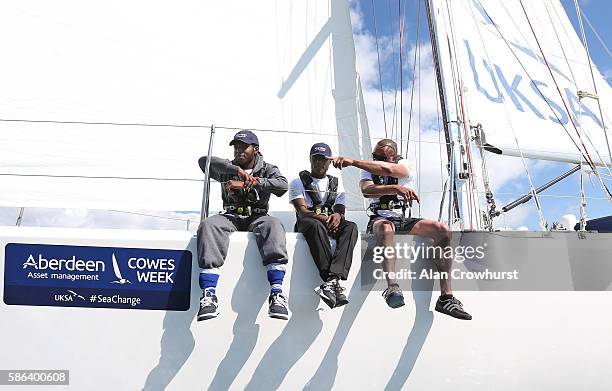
[517, 340]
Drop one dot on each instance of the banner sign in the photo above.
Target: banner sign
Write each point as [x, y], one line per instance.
[97, 277]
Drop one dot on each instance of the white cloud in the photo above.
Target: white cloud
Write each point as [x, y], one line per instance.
[81, 218]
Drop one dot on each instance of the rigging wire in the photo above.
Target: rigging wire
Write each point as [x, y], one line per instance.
[151, 215]
[560, 45]
[490, 199]
[178, 126]
[418, 48]
[563, 196]
[588, 55]
[586, 133]
[382, 95]
[601, 41]
[536, 200]
[462, 119]
[453, 188]
[392, 34]
[418, 24]
[232, 128]
[401, 70]
[419, 123]
[100, 177]
[443, 183]
[575, 83]
[590, 160]
[533, 84]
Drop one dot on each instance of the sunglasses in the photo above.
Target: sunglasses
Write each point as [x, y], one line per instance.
[379, 157]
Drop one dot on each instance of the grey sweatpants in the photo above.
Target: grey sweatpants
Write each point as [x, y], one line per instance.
[214, 232]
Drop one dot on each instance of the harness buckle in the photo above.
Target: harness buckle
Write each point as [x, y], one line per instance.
[240, 210]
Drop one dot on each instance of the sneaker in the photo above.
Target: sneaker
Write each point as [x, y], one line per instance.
[278, 306]
[327, 292]
[209, 305]
[452, 307]
[393, 296]
[340, 296]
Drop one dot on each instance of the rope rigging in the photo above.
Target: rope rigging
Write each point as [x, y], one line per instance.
[589, 160]
[401, 71]
[536, 86]
[535, 195]
[416, 49]
[588, 55]
[462, 124]
[382, 95]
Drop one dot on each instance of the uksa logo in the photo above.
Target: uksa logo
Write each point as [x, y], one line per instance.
[70, 297]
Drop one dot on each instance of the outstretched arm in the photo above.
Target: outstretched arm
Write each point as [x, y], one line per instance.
[373, 166]
[218, 167]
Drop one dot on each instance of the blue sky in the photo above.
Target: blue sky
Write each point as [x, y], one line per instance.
[554, 206]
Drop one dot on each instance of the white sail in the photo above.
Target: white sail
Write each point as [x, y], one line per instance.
[238, 64]
[525, 106]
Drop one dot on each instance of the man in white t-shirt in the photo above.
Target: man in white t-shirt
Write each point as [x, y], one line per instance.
[386, 181]
[319, 200]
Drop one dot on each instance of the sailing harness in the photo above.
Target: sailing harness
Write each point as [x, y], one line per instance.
[246, 204]
[319, 207]
[388, 202]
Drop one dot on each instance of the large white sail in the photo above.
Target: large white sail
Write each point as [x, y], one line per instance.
[521, 85]
[277, 65]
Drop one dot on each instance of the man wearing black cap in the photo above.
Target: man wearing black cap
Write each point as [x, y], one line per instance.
[318, 199]
[248, 182]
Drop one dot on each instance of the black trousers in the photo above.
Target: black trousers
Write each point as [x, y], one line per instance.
[337, 264]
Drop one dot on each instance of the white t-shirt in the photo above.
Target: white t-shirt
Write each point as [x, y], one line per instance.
[296, 190]
[406, 181]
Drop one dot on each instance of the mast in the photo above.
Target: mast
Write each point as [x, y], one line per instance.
[451, 145]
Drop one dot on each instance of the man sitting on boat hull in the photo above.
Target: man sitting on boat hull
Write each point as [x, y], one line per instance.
[318, 199]
[248, 183]
[386, 179]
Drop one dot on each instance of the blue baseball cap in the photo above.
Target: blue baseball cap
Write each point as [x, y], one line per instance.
[245, 136]
[321, 149]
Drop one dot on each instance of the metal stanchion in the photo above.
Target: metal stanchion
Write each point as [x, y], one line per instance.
[19, 218]
[206, 192]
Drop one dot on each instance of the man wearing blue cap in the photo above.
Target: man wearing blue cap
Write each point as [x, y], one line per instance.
[248, 183]
[319, 199]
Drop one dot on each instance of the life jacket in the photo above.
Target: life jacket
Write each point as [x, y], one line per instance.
[253, 202]
[313, 193]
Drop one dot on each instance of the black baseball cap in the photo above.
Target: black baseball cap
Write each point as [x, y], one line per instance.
[321, 149]
[245, 136]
